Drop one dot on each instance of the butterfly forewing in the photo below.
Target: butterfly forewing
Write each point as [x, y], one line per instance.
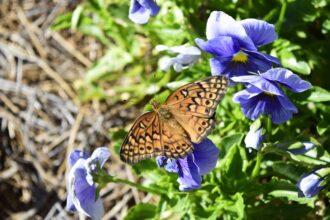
[199, 98]
[143, 140]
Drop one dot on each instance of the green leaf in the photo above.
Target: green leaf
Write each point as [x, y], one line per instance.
[228, 141]
[62, 22]
[289, 60]
[142, 211]
[319, 94]
[76, 15]
[288, 169]
[114, 60]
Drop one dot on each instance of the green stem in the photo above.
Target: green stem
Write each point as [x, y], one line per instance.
[269, 128]
[281, 17]
[159, 191]
[256, 169]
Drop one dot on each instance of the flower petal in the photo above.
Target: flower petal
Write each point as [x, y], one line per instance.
[161, 161]
[171, 166]
[76, 155]
[254, 139]
[82, 193]
[243, 96]
[220, 46]
[287, 78]
[261, 83]
[259, 31]
[279, 113]
[305, 147]
[206, 156]
[184, 49]
[140, 10]
[189, 176]
[219, 67]
[221, 24]
[287, 104]
[102, 154]
[260, 62]
[309, 184]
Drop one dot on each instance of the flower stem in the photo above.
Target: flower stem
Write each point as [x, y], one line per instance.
[282, 16]
[256, 169]
[157, 191]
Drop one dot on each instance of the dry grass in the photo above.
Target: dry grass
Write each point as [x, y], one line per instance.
[41, 118]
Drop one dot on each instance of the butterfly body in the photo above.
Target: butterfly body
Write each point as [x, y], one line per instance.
[186, 117]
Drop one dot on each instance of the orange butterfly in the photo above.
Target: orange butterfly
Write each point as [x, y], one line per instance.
[188, 115]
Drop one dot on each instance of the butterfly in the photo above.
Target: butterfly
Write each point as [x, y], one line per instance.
[186, 117]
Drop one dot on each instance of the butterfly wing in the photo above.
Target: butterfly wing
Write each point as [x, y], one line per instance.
[194, 105]
[176, 143]
[143, 140]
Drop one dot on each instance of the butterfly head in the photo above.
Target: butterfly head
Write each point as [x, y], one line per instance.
[155, 105]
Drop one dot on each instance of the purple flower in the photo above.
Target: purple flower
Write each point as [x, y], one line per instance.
[187, 56]
[234, 45]
[254, 137]
[312, 183]
[263, 96]
[191, 168]
[80, 185]
[141, 10]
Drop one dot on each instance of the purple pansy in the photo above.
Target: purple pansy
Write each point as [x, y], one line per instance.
[263, 96]
[312, 183]
[255, 137]
[141, 10]
[234, 45]
[81, 188]
[186, 57]
[190, 169]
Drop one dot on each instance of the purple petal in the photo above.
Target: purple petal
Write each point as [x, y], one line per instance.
[309, 184]
[287, 78]
[161, 161]
[171, 166]
[76, 155]
[287, 104]
[206, 156]
[220, 24]
[140, 10]
[243, 96]
[259, 31]
[102, 154]
[189, 176]
[82, 194]
[254, 139]
[221, 66]
[264, 104]
[260, 62]
[220, 46]
[305, 147]
[259, 82]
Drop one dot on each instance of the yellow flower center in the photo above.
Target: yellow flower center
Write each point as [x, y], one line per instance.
[240, 57]
[268, 93]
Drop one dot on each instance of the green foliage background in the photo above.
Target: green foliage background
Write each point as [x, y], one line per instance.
[244, 185]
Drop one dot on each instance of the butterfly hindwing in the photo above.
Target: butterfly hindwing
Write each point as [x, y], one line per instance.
[143, 140]
[197, 127]
[176, 143]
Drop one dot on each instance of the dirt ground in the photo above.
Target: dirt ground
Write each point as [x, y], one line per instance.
[42, 119]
